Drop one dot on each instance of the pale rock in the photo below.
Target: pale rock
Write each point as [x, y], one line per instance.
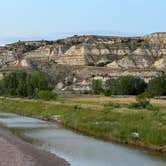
[113, 65]
[161, 63]
[60, 86]
[24, 63]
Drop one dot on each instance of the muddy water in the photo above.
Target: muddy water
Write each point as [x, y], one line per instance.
[78, 150]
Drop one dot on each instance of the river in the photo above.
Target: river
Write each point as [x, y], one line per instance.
[77, 149]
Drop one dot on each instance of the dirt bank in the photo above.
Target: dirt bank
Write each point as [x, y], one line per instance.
[15, 152]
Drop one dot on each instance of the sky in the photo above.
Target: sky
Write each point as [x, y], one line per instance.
[52, 19]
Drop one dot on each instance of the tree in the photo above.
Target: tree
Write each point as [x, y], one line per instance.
[15, 83]
[20, 83]
[157, 86]
[126, 85]
[2, 89]
[111, 87]
[97, 87]
[143, 99]
[130, 85]
[37, 81]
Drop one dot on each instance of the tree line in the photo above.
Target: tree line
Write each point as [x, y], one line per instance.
[36, 84]
[130, 85]
[23, 84]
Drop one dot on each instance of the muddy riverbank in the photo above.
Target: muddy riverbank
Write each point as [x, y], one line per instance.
[15, 152]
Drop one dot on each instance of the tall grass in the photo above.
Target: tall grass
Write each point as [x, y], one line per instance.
[112, 120]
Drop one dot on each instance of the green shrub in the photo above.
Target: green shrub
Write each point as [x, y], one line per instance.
[37, 81]
[97, 87]
[22, 84]
[157, 86]
[107, 92]
[46, 95]
[126, 85]
[143, 99]
[91, 64]
[135, 106]
[28, 48]
[112, 105]
[111, 87]
[130, 85]
[77, 107]
[14, 84]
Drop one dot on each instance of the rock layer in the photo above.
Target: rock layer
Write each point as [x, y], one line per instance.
[114, 52]
[110, 56]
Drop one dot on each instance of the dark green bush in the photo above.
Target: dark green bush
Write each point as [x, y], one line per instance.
[157, 86]
[37, 81]
[112, 105]
[91, 64]
[28, 48]
[130, 85]
[23, 84]
[134, 106]
[14, 84]
[143, 99]
[46, 95]
[126, 85]
[111, 87]
[107, 92]
[97, 87]
[77, 107]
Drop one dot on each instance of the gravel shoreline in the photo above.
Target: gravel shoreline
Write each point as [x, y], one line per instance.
[15, 152]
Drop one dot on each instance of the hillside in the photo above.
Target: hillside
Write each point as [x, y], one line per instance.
[72, 62]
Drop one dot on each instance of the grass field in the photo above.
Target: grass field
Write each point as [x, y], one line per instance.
[101, 117]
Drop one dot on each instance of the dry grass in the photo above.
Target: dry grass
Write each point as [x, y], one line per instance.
[127, 99]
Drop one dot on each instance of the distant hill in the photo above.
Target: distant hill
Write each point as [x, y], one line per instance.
[74, 61]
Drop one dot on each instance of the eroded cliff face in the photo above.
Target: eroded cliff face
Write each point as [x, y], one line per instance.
[113, 52]
[110, 56]
[11, 55]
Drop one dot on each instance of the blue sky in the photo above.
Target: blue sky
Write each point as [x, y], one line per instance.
[51, 19]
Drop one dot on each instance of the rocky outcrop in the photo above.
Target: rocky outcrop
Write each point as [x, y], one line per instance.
[114, 52]
[16, 54]
[91, 55]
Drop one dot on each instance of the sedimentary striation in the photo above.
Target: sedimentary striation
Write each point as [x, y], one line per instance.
[76, 60]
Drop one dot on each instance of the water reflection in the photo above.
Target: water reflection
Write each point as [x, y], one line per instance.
[77, 149]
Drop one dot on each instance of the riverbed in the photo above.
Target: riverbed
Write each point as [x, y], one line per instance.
[77, 149]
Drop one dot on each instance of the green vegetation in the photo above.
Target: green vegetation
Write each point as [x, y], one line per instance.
[157, 86]
[46, 95]
[106, 120]
[23, 84]
[29, 48]
[130, 85]
[111, 87]
[143, 99]
[97, 87]
[36, 81]
[126, 85]
[14, 84]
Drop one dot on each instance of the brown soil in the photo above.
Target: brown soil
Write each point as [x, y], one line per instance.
[15, 152]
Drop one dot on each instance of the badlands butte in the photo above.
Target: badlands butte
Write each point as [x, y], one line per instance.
[73, 62]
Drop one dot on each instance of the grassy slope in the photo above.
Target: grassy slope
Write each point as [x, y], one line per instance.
[99, 118]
